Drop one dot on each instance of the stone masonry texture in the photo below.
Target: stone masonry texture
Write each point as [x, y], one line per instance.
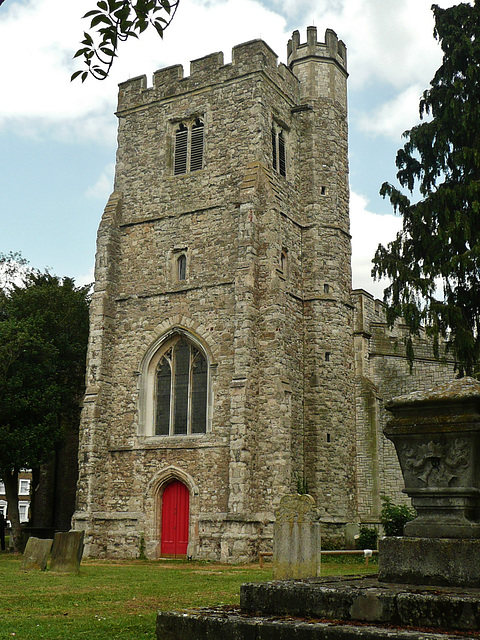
[299, 366]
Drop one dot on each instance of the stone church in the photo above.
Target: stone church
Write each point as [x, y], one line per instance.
[230, 362]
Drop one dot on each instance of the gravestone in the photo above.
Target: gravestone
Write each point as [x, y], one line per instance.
[296, 538]
[67, 552]
[36, 554]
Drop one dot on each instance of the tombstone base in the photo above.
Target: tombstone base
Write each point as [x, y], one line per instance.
[430, 561]
[219, 624]
[346, 608]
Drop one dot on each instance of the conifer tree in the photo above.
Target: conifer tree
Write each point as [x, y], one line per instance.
[434, 261]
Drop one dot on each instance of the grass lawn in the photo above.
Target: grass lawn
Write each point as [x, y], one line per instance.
[119, 600]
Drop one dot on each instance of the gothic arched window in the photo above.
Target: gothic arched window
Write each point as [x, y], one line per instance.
[181, 379]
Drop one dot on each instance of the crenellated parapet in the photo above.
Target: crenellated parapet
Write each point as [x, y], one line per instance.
[332, 48]
[247, 58]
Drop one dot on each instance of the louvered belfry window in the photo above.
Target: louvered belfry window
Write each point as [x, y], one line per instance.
[181, 390]
[274, 148]
[181, 146]
[188, 147]
[279, 158]
[196, 151]
[281, 154]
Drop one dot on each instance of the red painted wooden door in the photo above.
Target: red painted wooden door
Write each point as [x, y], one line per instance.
[175, 519]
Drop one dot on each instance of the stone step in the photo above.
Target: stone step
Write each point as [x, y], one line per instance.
[366, 600]
[230, 624]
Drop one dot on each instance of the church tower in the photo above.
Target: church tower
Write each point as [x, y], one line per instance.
[220, 372]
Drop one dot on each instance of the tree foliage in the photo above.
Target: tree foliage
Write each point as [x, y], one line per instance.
[438, 248]
[43, 342]
[394, 517]
[113, 22]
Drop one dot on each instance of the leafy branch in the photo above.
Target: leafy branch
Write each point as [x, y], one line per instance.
[113, 22]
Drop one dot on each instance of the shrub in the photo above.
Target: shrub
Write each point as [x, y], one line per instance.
[394, 517]
[367, 538]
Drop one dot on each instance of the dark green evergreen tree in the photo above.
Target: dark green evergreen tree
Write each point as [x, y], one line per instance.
[43, 342]
[434, 262]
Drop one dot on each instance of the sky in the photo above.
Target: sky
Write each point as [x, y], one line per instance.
[58, 138]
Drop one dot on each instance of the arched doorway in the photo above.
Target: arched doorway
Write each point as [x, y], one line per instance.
[175, 519]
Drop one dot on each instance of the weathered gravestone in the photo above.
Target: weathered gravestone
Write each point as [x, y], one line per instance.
[36, 554]
[67, 552]
[296, 538]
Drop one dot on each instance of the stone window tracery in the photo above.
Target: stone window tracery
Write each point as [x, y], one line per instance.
[175, 388]
[181, 390]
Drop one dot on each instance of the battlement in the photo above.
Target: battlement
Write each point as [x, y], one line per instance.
[332, 48]
[247, 58]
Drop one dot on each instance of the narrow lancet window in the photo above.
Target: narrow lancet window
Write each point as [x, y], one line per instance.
[279, 156]
[199, 393]
[182, 267]
[196, 151]
[274, 148]
[163, 392]
[181, 145]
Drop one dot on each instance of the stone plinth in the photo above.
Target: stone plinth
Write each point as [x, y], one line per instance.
[430, 561]
[220, 624]
[330, 609]
[296, 538]
[436, 434]
[365, 600]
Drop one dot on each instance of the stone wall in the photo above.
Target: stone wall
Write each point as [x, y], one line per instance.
[382, 373]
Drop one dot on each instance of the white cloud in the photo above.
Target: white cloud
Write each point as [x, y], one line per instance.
[84, 279]
[44, 103]
[394, 117]
[368, 231]
[102, 189]
[387, 42]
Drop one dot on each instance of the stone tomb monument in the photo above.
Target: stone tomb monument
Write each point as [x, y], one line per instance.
[296, 538]
[437, 438]
[428, 586]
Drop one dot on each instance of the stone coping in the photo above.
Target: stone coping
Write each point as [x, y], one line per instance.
[454, 390]
[365, 599]
[230, 623]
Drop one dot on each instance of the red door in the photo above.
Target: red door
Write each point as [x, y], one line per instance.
[175, 517]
